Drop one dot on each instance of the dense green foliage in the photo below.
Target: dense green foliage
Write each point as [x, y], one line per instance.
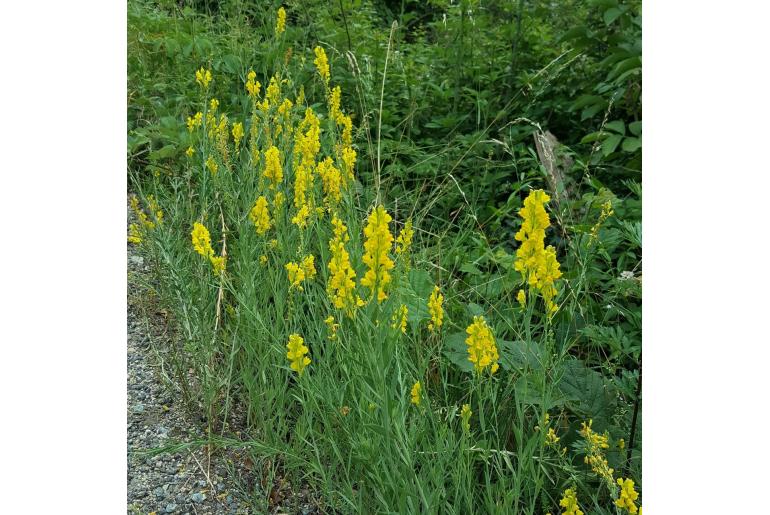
[481, 102]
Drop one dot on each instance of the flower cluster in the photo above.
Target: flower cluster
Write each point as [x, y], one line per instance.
[135, 231]
[570, 503]
[203, 77]
[273, 169]
[252, 84]
[400, 318]
[416, 393]
[628, 496]
[341, 286]
[482, 350]
[260, 216]
[376, 247]
[201, 240]
[297, 354]
[322, 64]
[331, 180]
[237, 134]
[195, 121]
[595, 445]
[300, 272]
[331, 327]
[537, 264]
[436, 309]
[404, 240]
[280, 22]
[607, 212]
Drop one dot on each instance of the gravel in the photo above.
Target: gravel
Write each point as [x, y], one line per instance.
[188, 481]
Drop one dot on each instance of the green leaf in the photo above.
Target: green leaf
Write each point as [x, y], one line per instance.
[611, 15]
[616, 126]
[635, 128]
[631, 144]
[520, 355]
[457, 352]
[163, 153]
[610, 144]
[586, 391]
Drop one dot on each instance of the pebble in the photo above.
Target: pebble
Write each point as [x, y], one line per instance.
[171, 507]
[198, 497]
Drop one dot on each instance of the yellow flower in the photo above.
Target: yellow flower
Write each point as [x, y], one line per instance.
[551, 438]
[203, 77]
[522, 298]
[482, 350]
[347, 129]
[335, 97]
[331, 181]
[237, 134]
[273, 169]
[300, 219]
[538, 265]
[435, 308]
[280, 22]
[321, 63]
[404, 240]
[194, 121]
[190, 151]
[252, 84]
[331, 327]
[260, 216]
[349, 159]
[570, 503]
[378, 242]
[212, 165]
[628, 496]
[465, 416]
[263, 260]
[213, 105]
[400, 318]
[621, 444]
[273, 92]
[300, 272]
[416, 393]
[134, 236]
[298, 353]
[595, 445]
[341, 286]
[607, 212]
[201, 240]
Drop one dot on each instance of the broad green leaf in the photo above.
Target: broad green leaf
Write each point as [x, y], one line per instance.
[631, 144]
[611, 143]
[616, 126]
[635, 128]
[611, 15]
[456, 351]
[586, 391]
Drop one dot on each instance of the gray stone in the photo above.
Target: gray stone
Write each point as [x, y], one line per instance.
[198, 497]
[160, 493]
[171, 507]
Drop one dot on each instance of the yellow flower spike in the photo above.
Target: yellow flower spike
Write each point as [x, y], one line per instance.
[595, 445]
[273, 168]
[134, 236]
[308, 266]
[482, 350]
[404, 240]
[335, 97]
[331, 328]
[570, 503]
[416, 393]
[203, 77]
[378, 242]
[273, 93]
[551, 438]
[213, 105]
[341, 284]
[212, 165]
[237, 134]
[400, 318]
[300, 272]
[252, 84]
[201, 240]
[465, 417]
[628, 496]
[297, 354]
[349, 160]
[263, 260]
[322, 64]
[436, 309]
[331, 181]
[260, 216]
[280, 21]
[193, 122]
[522, 298]
[189, 152]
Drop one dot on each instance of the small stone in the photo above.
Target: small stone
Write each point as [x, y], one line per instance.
[198, 497]
[139, 408]
[137, 260]
[171, 507]
[160, 493]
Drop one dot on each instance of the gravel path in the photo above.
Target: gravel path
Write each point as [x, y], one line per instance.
[182, 482]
